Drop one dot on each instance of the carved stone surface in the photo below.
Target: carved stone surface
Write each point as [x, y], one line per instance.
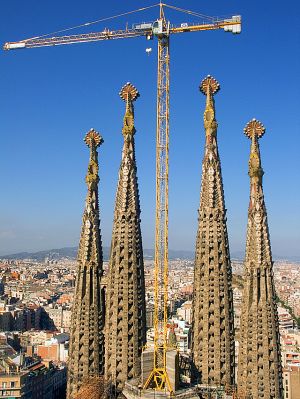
[125, 309]
[212, 329]
[259, 364]
[86, 350]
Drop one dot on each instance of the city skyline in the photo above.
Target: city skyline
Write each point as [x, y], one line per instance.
[51, 96]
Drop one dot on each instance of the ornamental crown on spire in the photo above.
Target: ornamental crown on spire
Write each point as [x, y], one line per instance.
[129, 94]
[210, 86]
[254, 130]
[209, 83]
[93, 137]
[93, 140]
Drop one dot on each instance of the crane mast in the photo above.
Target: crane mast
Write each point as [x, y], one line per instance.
[162, 30]
[159, 373]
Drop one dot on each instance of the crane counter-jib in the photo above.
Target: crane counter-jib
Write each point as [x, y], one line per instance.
[228, 27]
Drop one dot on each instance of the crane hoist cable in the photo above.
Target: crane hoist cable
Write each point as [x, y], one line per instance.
[91, 23]
[193, 13]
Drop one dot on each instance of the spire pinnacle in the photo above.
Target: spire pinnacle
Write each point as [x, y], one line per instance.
[93, 140]
[128, 94]
[254, 130]
[210, 86]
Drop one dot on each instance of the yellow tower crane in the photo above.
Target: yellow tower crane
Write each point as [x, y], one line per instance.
[161, 29]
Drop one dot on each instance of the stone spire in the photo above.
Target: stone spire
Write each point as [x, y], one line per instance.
[86, 350]
[213, 330]
[125, 310]
[259, 366]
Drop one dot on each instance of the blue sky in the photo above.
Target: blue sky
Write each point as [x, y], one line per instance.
[50, 97]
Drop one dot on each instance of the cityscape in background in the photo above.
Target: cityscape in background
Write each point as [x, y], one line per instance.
[35, 317]
[92, 322]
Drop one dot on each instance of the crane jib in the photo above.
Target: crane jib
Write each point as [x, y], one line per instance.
[147, 29]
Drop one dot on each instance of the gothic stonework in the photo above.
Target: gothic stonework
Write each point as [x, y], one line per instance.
[125, 310]
[86, 351]
[259, 365]
[213, 329]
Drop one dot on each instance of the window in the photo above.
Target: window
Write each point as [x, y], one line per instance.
[12, 384]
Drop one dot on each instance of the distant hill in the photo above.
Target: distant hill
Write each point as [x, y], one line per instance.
[71, 253]
[53, 254]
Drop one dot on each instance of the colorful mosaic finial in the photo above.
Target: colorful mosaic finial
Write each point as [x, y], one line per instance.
[211, 83]
[129, 92]
[254, 128]
[93, 136]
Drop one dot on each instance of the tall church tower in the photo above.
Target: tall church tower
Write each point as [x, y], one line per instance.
[259, 365]
[125, 310]
[212, 329]
[86, 350]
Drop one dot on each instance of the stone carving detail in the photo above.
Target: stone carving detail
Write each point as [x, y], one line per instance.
[125, 310]
[259, 364]
[213, 329]
[86, 351]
